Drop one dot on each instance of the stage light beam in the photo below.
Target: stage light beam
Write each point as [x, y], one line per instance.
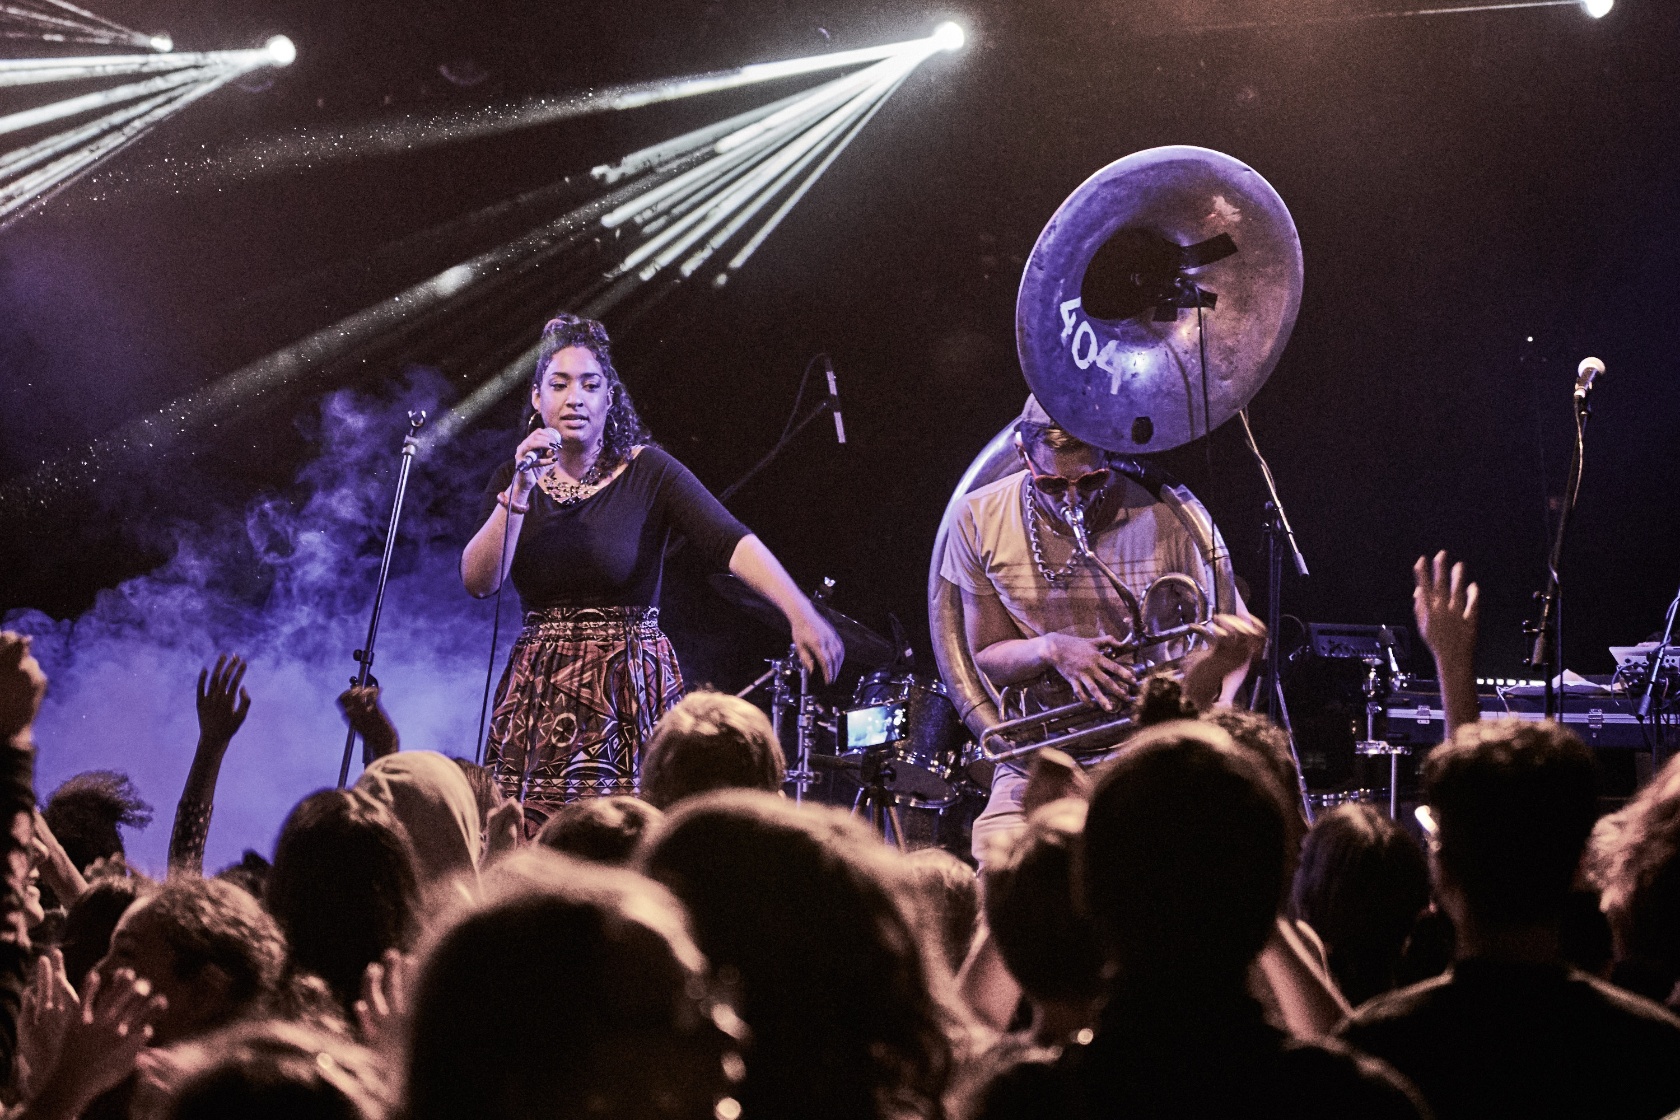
[1598, 9]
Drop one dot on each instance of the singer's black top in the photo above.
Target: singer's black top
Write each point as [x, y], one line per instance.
[608, 550]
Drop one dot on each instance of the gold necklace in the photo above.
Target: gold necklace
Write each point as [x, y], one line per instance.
[565, 492]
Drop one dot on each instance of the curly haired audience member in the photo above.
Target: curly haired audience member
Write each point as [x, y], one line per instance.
[709, 741]
[1635, 863]
[88, 811]
[801, 905]
[1511, 1030]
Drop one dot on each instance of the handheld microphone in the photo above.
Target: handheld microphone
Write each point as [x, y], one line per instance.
[834, 400]
[1589, 369]
[530, 460]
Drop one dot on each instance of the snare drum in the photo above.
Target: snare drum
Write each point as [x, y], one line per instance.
[908, 722]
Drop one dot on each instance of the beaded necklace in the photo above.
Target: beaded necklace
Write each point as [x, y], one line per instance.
[565, 492]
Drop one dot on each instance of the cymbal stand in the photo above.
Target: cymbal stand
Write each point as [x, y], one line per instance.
[875, 799]
[777, 676]
[1377, 688]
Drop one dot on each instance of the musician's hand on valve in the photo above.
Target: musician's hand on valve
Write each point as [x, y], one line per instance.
[1085, 664]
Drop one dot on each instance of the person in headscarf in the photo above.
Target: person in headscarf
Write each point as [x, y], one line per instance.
[435, 803]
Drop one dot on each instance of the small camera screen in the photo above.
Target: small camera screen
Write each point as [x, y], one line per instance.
[871, 727]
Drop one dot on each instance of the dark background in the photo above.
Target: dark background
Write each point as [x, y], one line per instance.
[1482, 199]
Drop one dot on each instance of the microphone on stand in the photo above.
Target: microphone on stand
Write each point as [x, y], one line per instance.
[834, 400]
[1585, 373]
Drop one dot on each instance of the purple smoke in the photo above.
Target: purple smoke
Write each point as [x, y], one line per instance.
[289, 587]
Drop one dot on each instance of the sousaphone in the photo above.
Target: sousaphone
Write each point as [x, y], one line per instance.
[1154, 306]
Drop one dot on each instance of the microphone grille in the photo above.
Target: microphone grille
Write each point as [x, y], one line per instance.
[1593, 364]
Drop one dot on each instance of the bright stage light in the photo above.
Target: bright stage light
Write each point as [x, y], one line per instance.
[949, 35]
[162, 43]
[281, 50]
[1598, 9]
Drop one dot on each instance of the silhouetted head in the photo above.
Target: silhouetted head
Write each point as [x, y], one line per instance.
[273, 1070]
[600, 829]
[1514, 802]
[1183, 861]
[799, 905]
[1361, 885]
[573, 990]
[88, 810]
[344, 887]
[946, 895]
[1048, 944]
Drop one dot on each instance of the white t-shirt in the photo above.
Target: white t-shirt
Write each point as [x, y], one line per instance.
[988, 552]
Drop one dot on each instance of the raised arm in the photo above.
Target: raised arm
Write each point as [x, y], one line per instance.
[222, 706]
[485, 561]
[1447, 610]
[367, 716]
[22, 686]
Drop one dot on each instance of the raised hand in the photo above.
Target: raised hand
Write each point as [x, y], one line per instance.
[383, 1009]
[22, 685]
[1234, 641]
[1447, 610]
[369, 719]
[222, 700]
[100, 1044]
[49, 1004]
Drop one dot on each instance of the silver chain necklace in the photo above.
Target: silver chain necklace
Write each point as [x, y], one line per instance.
[1032, 514]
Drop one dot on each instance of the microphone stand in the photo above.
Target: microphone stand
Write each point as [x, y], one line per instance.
[364, 656]
[1547, 654]
[1278, 532]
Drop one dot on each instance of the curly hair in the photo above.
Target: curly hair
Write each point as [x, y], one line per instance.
[86, 811]
[625, 430]
[803, 906]
[1634, 860]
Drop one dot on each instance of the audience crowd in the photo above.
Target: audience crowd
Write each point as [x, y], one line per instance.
[1163, 936]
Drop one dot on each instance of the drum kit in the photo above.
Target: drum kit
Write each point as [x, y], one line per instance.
[1154, 306]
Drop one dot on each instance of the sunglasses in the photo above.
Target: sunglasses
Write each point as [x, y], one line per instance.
[1055, 486]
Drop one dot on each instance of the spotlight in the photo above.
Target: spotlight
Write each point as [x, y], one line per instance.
[1598, 9]
[949, 35]
[162, 43]
[281, 50]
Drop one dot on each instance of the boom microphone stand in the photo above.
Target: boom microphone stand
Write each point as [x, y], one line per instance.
[1278, 533]
[364, 656]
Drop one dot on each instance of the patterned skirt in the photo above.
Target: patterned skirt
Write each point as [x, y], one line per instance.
[583, 688]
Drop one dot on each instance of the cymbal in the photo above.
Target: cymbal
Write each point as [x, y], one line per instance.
[864, 647]
[1106, 321]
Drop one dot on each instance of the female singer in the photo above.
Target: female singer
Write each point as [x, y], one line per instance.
[583, 535]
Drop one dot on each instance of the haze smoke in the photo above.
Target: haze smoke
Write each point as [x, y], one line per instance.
[289, 587]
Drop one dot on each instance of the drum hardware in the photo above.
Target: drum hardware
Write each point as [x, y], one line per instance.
[877, 771]
[1379, 685]
[1268, 690]
[779, 676]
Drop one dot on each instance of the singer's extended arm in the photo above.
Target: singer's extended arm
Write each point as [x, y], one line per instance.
[757, 567]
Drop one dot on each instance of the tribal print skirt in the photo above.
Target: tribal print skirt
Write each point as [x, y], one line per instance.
[582, 690]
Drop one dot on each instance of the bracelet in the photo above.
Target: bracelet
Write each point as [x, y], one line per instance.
[506, 503]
